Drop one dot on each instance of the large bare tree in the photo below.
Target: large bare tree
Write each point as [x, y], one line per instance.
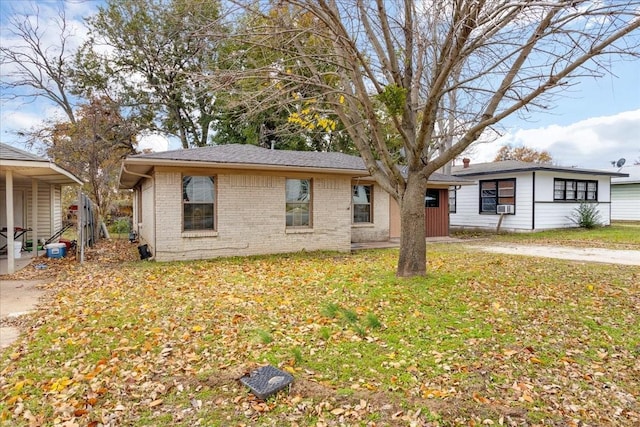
[433, 74]
[36, 57]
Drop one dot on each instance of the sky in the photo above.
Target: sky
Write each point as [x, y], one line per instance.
[593, 125]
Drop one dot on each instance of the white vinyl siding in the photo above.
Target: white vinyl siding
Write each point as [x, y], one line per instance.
[45, 215]
[56, 202]
[468, 214]
[50, 212]
[549, 213]
[625, 202]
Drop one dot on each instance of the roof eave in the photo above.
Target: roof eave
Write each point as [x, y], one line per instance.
[451, 183]
[33, 164]
[242, 166]
[534, 169]
[129, 179]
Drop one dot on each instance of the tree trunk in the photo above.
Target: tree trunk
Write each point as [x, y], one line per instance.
[413, 248]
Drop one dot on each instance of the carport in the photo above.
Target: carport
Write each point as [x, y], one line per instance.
[30, 198]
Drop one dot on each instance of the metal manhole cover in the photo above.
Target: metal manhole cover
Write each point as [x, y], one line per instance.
[267, 380]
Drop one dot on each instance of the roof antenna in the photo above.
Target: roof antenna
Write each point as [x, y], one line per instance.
[620, 163]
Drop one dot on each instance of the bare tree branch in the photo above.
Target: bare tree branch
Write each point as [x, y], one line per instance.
[34, 66]
[434, 75]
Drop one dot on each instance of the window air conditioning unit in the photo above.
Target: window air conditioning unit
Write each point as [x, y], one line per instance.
[506, 209]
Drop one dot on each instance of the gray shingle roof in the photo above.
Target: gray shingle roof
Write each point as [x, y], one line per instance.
[253, 155]
[8, 152]
[35, 167]
[518, 166]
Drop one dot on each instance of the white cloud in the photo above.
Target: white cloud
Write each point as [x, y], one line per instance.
[153, 142]
[590, 143]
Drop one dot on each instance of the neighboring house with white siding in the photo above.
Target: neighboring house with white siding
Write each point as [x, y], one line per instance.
[30, 197]
[236, 199]
[520, 197]
[625, 195]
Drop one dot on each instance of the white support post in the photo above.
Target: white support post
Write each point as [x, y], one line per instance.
[11, 259]
[80, 214]
[34, 217]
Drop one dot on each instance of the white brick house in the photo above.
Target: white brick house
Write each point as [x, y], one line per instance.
[235, 199]
[521, 197]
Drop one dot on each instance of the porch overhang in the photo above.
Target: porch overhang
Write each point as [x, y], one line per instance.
[24, 169]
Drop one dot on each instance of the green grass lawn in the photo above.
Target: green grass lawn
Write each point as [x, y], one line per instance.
[484, 339]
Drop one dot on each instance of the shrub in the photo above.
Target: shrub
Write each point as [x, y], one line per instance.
[586, 215]
[120, 226]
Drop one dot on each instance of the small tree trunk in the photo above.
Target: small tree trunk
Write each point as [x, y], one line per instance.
[413, 248]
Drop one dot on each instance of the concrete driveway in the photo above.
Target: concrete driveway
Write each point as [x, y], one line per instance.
[608, 256]
[17, 297]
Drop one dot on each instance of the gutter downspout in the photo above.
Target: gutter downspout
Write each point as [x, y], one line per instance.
[124, 168]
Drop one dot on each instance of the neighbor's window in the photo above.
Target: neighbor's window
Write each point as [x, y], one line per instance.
[198, 197]
[497, 192]
[361, 200]
[452, 199]
[298, 207]
[571, 189]
[432, 199]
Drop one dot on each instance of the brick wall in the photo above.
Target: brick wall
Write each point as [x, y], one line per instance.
[250, 216]
[146, 228]
[378, 230]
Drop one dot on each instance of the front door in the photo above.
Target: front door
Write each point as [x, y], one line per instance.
[436, 215]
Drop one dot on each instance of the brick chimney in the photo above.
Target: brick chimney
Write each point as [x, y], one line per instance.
[465, 163]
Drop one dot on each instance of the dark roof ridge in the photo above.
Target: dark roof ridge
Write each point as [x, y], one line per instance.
[506, 166]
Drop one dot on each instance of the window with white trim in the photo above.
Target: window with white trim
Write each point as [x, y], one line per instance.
[198, 203]
[298, 202]
[362, 201]
[452, 199]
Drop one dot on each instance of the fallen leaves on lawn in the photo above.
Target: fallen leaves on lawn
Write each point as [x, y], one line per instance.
[484, 340]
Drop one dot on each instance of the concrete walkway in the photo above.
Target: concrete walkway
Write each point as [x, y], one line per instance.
[17, 297]
[20, 263]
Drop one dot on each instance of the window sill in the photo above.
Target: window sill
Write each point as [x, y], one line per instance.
[199, 233]
[298, 230]
[495, 213]
[363, 225]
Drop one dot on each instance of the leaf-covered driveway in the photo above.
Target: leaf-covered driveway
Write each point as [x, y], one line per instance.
[485, 339]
